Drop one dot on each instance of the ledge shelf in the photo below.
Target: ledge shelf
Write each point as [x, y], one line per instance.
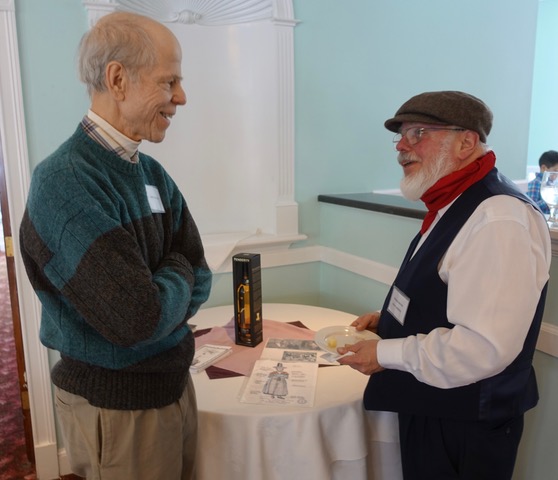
[377, 202]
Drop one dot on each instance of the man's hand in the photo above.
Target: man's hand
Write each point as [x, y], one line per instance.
[365, 358]
[368, 321]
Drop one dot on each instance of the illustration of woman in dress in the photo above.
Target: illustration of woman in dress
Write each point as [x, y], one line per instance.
[276, 384]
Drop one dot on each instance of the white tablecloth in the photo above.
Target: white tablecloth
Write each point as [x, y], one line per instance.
[335, 439]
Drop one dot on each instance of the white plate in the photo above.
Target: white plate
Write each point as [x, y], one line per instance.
[331, 338]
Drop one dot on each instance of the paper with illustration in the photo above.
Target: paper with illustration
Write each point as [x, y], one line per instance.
[281, 383]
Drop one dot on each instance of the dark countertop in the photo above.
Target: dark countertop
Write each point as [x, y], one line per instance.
[378, 202]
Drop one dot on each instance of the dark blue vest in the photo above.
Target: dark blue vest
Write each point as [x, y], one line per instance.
[502, 396]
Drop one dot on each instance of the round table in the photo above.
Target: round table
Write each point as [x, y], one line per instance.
[336, 438]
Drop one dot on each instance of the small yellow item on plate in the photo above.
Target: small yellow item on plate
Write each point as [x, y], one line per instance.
[331, 338]
[331, 342]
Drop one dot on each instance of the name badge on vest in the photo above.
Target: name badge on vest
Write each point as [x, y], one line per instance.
[154, 199]
[398, 304]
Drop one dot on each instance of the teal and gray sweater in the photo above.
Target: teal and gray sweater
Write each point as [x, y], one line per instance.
[117, 280]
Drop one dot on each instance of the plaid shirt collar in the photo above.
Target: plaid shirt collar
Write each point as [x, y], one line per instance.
[110, 138]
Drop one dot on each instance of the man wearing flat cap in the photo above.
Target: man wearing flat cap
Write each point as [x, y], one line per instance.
[459, 325]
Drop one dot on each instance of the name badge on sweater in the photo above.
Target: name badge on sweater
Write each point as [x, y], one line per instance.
[154, 199]
[398, 304]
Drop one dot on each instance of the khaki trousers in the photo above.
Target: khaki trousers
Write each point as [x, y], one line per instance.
[155, 444]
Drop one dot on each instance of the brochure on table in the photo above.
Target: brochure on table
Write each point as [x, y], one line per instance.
[296, 350]
[207, 355]
[281, 383]
[286, 373]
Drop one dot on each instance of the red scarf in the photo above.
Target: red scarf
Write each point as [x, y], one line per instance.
[448, 188]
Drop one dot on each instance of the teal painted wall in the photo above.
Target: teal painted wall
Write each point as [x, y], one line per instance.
[543, 126]
[352, 72]
[376, 236]
[355, 63]
[54, 99]
[363, 295]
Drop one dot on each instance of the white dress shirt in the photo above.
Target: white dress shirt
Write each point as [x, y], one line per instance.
[495, 270]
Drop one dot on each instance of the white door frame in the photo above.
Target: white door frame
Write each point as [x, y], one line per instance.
[13, 141]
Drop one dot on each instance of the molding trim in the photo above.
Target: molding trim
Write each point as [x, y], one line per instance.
[202, 12]
[548, 339]
[14, 144]
[97, 8]
[199, 12]
[286, 207]
[7, 5]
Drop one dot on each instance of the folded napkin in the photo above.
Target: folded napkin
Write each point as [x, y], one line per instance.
[242, 359]
[218, 247]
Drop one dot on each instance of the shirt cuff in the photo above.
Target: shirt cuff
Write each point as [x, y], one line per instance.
[390, 353]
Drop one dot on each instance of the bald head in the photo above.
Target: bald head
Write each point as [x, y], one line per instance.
[127, 38]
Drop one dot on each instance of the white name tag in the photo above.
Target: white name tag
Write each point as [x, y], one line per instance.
[154, 199]
[398, 305]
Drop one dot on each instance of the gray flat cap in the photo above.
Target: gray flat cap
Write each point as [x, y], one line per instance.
[445, 108]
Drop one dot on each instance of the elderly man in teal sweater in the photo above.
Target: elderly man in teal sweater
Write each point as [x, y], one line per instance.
[116, 259]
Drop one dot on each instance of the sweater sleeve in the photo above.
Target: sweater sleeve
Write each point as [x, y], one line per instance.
[187, 242]
[131, 277]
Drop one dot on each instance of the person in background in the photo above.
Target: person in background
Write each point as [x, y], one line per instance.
[547, 162]
[116, 259]
[459, 325]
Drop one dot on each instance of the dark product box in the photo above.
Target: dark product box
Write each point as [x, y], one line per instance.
[247, 284]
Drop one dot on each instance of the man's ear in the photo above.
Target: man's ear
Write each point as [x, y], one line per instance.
[469, 142]
[116, 79]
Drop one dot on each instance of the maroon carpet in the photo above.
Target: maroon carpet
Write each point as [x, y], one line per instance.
[14, 464]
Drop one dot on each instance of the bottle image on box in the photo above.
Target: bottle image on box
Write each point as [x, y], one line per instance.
[247, 290]
[243, 310]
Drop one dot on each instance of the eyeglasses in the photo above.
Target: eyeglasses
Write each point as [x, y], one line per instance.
[413, 135]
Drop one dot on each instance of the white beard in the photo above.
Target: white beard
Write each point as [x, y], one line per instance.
[413, 186]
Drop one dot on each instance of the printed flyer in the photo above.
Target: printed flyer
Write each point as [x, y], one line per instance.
[281, 383]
